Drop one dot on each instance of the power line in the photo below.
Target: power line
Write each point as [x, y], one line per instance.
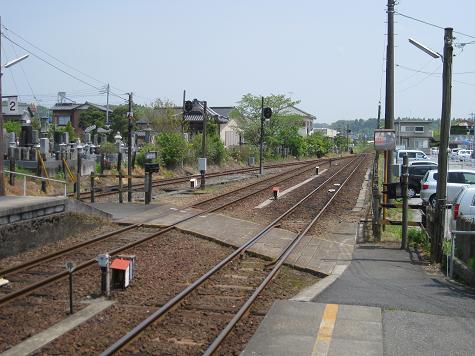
[431, 24]
[51, 56]
[422, 80]
[24, 73]
[49, 63]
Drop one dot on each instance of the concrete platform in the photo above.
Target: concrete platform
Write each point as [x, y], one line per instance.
[314, 253]
[18, 208]
[295, 328]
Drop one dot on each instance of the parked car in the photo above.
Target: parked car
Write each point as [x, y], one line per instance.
[454, 152]
[434, 151]
[464, 204]
[456, 179]
[423, 163]
[463, 155]
[413, 155]
[416, 173]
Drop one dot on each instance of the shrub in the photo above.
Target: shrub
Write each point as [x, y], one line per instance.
[216, 152]
[140, 158]
[108, 148]
[172, 147]
[13, 126]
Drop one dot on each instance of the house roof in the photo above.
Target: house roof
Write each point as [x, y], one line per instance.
[120, 263]
[294, 110]
[76, 106]
[196, 114]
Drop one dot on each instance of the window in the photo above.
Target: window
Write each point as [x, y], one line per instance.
[455, 177]
[413, 129]
[421, 143]
[63, 120]
[469, 178]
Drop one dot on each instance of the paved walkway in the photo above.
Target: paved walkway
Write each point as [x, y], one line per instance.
[419, 314]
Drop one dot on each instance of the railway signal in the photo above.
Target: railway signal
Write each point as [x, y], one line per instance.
[188, 106]
[267, 112]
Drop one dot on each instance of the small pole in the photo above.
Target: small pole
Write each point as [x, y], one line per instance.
[148, 187]
[24, 186]
[102, 165]
[93, 188]
[405, 203]
[119, 169]
[452, 256]
[12, 166]
[43, 181]
[78, 176]
[71, 311]
[261, 143]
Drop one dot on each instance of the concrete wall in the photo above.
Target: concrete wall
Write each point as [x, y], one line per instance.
[26, 235]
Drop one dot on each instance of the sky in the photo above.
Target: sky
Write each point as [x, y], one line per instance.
[327, 54]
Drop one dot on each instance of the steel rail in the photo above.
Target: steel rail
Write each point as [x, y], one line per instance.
[28, 289]
[54, 254]
[177, 299]
[168, 181]
[278, 264]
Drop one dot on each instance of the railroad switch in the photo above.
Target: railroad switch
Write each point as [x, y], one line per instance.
[275, 192]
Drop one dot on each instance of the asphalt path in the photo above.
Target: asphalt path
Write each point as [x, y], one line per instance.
[423, 314]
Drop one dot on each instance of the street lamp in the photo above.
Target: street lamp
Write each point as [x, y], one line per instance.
[441, 193]
[2, 144]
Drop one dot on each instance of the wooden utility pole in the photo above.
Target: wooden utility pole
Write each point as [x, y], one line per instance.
[2, 143]
[129, 151]
[441, 194]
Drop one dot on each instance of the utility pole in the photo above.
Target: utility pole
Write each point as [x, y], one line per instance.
[2, 143]
[205, 119]
[183, 114]
[389, 101]
[261, 143]
[129, 151]
[473, 130]
[107, 104]
[441, 193]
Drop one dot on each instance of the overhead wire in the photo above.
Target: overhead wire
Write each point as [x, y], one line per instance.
[23, 70]
[10, 72]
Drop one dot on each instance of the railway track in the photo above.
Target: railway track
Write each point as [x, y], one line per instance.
[215, 295]
[136, 187]
[24, 279]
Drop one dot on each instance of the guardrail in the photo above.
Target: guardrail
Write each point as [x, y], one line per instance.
[24, 175]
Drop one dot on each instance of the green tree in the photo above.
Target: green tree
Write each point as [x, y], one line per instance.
[164, 116]
[172, 147]
[280, 131]
[92, 116]
[318, 145]
[13, 126]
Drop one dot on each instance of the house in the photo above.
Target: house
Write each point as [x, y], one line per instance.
[414, 134]
[327, 132]
[70, 112]
[306, 126]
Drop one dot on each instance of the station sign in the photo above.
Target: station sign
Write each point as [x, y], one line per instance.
[12, 105]
[384, 139]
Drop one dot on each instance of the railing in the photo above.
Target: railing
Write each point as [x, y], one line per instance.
[37, 177]
[453, 234]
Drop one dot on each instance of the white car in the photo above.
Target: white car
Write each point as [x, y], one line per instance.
[413, 155]
[464, 205]
[456, 180]
[434, 151]
[464, 155]
[454, 153]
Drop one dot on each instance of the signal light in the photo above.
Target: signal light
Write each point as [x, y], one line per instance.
[188, 106]
[267, 112]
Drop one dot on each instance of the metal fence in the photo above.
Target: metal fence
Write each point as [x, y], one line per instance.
[25, 176]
